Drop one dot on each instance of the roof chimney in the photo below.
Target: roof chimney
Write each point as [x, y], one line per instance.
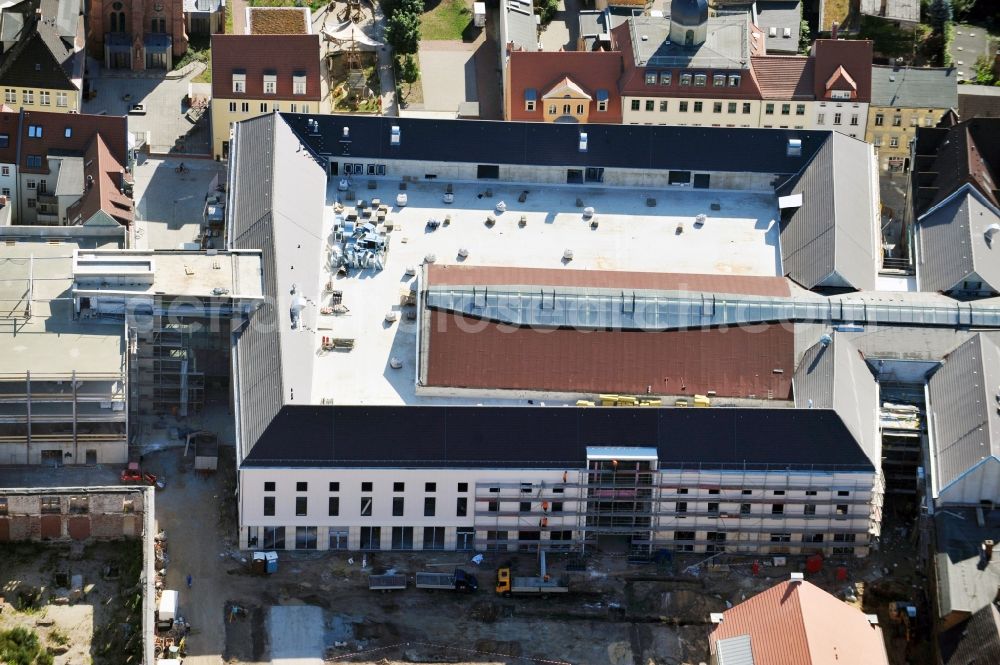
[796, 578]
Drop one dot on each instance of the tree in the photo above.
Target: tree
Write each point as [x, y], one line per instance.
[409, 72]
[984, 71]
[805, 37]
[402, 31]
[939, 13]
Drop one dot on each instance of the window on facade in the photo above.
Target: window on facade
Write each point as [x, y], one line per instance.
[800, 109]
[769, 109]
[429, 506]
[366, 487]
[744, 509]
[270, 84]
[461, 506]
[34, 161]
[681, 507]
[579, 109]
[713, 491]
[529, 105]
[397, 506]
[274, 537]
[463, 487]
[650, 78]
[3, 506]
[61, 99]
[893, 142]
[493, 506]
[700, 80]
[305, 537]
[713, 509]
[663, 105]
[433, 537]
[525, 506]
[809, 509]
[682, 490]
[854, 119]
[683, 107]
[717, 107]
[777, 509]
[841, 509]
[734, 80]
[897, 120]
[79, 505]
[566, 108]
[430, 487]
[5, 171]
[333, 506]
[877, 141]
[32, 184]
[664, 78]
[398, 487]
[31, 203]
[719, 80]
[268, 506]
[239, 85]
[635, 105]
[840, 94]
[366, 506]
[879, 119]
[731, 107]
[301, 487]
[232, 107]
[820, 118]
[650, 104]
[698, 106]
[34, 131]
[338, 538]
[810, 492]
[786, 109]
[245, 107]
[301, 506]
[779, 492]
[781, 537]
[28, 96]
[44, 98]
[263, 108]
[371, 538]
[10, 96]
[557, 506]
[602, 105]
[837, 118]
[334, 487]
[685, 79]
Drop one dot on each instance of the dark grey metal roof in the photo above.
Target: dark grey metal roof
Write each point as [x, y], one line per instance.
[965, 423]
[830, 239]
[250, 225]
[962, 585]
[518, 24]
[726, 46]
[70, 179]
[915, 87]
[553, 437]
[895, 10]
[974, 641]
[952, 243]
[551, 144]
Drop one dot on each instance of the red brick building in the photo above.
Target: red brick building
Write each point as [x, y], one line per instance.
[137, 34]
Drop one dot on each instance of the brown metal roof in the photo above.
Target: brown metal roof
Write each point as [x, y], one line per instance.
[464, 352]
[460, 275]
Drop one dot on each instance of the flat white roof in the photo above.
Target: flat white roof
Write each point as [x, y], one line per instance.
[741, 238]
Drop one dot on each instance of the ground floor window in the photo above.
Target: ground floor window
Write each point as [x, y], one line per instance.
[532, 538]
[338, 539]
[371, 538]
[843, 543]
[433, 537]
[274, 538]
[402, 538]
[716, 541]
[465, 538]
[496, 541]
[305, 537]
[561, 540]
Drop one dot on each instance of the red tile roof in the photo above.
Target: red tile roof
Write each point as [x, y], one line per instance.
[784, 77]
[102, 182]
[459, 275]
[854, 55]
[84, 127]
[255, 55]
[797, 623]
[541, 70]
[464, 352]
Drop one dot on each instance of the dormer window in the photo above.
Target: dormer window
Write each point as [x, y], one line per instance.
[299, 83]
[650, 78]
[734, 80]
[685, 79]
[840, 94]
[719, 80]
[700, 80]
[530, 99]
[239, 81]
[602, 100]
[664, 78]
[270, 83]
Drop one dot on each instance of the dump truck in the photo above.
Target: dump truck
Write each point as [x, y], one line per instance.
[390, 582]
[457, 581]
[542, 585]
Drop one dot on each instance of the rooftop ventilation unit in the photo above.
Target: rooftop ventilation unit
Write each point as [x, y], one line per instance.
[794, 147]
[772, 31]
[991, 231]
[797, 577]
[394, 135]
[787, 33]
[583, 141]
[347, 132]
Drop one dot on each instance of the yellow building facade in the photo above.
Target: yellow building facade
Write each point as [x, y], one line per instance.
[41, 99]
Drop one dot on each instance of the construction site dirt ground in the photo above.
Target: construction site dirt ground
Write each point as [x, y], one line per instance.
[101, 625]
[616, 612]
